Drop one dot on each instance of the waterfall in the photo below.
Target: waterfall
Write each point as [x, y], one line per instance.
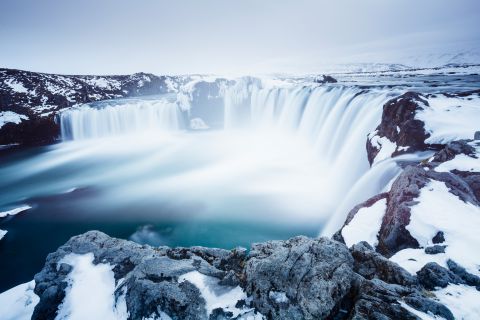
[116, 118]
[334, 119]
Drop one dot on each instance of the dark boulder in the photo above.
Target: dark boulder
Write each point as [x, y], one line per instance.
[436, 249]
[470, 279]
[371, 264]
[325, 79]
[432, 275]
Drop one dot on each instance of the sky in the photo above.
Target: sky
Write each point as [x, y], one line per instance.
[227, 36]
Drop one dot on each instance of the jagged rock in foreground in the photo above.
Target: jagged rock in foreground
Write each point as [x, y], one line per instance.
[300, 278]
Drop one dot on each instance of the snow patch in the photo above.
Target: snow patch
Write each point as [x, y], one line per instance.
[215, 295]
[10, 116]
[365, 225]
[16, 86]
[413, 260]
[90, 293]
[384, 145]
[439, 210]
[421, 315]
[18, 302]
[462, 300]
[14, 211]
[2, 233]
[448, 119]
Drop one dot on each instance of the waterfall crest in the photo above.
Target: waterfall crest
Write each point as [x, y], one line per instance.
[113, 119]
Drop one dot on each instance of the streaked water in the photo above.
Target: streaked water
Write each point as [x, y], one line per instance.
[284, 163]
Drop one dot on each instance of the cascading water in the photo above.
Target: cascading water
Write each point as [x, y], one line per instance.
[291, 158]
[334, 119]
[118, 118]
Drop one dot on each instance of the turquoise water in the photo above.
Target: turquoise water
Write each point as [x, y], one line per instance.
[187, 189]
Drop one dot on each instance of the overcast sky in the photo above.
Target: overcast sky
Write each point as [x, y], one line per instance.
[225, 36]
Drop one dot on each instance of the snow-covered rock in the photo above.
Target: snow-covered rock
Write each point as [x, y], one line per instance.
[29, 101]
[95, 276]
[417, 122]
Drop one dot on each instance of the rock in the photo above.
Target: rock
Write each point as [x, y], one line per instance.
[150, 275]
[399, 125]
[470, 279]
[426, 305]
[393, 235]
[452, 149]
[299, 278]
[436, 249]
[325, 79]
[439, 237]
[379, 300]
[315, 273]
[371, 264]
[477, 135]
[432, 275]
[207, 97]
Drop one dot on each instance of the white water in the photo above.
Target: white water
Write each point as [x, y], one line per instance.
[87, 122]
[331, 121]
[334, 120]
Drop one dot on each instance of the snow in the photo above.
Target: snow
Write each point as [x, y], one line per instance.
[90, 291]
[16, 86]
[421, 315]
[14, 211]
[462, 300]
[365, 225]
[448, 119]
[439, 210]
[278, 297]
[10, 116]
[172, 86]
[18, 302]
[198, 124]
[215, 295]
[461, 162]
[385, 146]
[413, 260]
[2, 233]
[103, 83]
